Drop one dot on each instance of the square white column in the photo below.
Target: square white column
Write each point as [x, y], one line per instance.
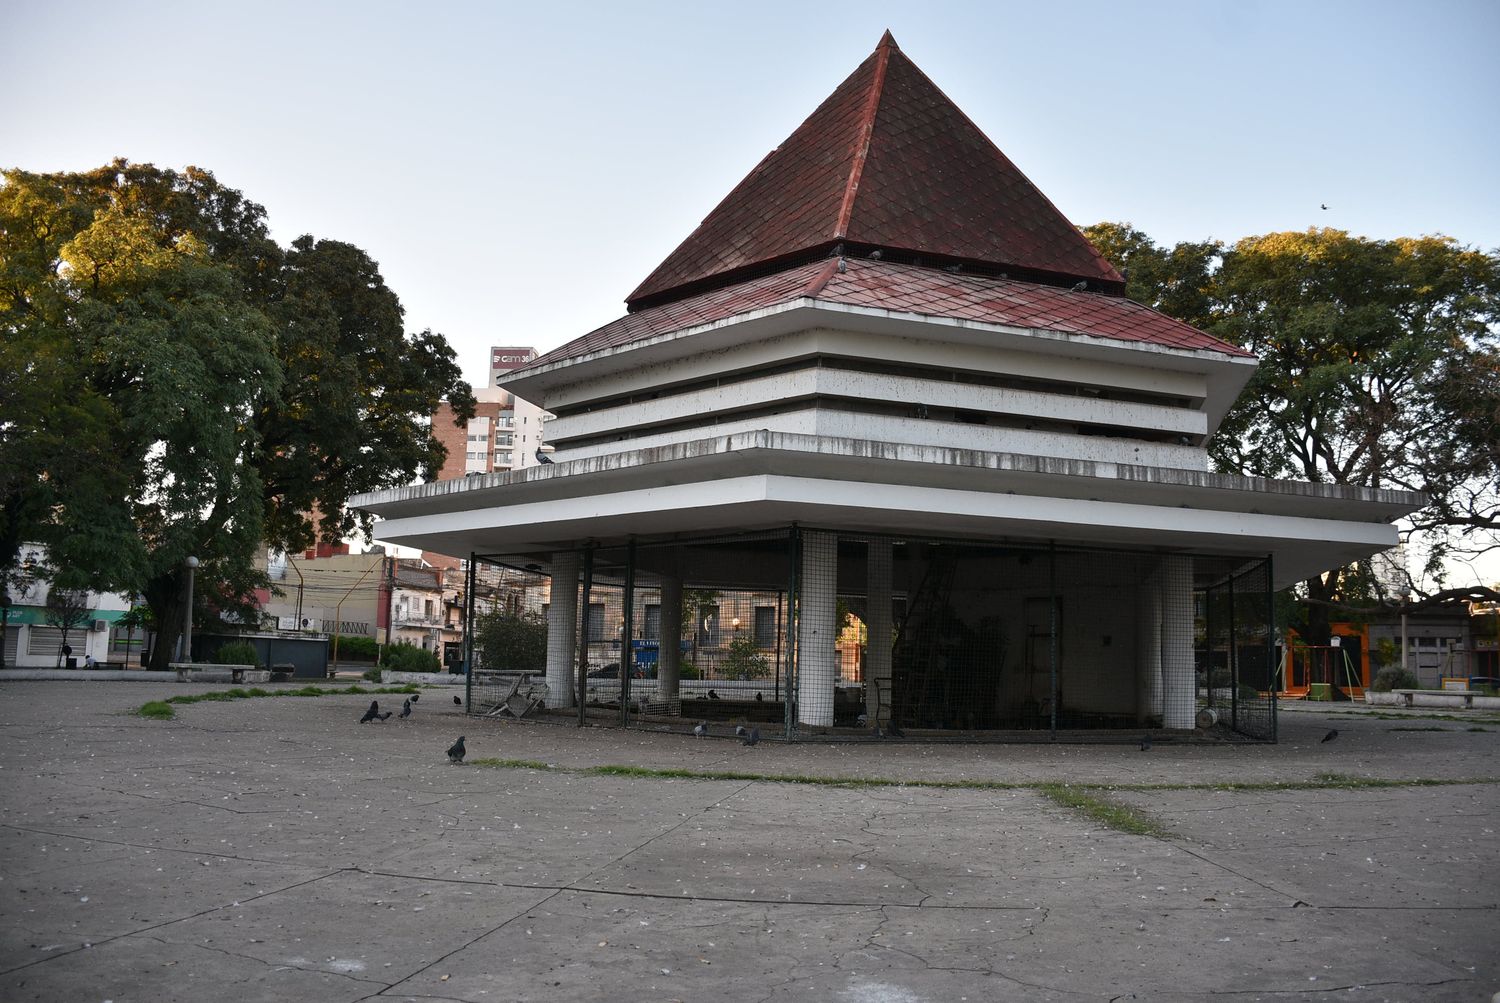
[817, 631]
[562, 630]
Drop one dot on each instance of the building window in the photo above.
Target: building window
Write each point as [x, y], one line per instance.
[596, 621]
[765, 626]
[504, 439]
[708, 626]
[503, 459]
[651, 629]
[426, 609]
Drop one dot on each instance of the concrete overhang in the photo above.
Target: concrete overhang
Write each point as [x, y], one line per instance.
[762, 480]
[1226, 375]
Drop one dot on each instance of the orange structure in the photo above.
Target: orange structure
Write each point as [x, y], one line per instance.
[1344, 666]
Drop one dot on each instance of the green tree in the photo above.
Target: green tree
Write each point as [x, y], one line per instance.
[1377, 369]
[229, 394]
[511, 642]
[66, 610]
[743, 660]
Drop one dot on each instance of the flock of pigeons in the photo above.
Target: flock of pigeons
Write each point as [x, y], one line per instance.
[456, 751]
[748, 736]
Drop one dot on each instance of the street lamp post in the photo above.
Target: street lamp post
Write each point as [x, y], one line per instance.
[187, 612]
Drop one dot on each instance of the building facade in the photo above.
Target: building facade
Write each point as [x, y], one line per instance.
[886, 375]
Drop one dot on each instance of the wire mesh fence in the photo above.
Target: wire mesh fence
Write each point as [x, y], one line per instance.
[505, 637]
[807, 632]
[1236, 663]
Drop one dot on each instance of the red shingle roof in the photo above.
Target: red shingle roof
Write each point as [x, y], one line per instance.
[886, 161]
[907, 289]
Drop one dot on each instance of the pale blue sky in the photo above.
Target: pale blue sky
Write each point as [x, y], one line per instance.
[517, 169]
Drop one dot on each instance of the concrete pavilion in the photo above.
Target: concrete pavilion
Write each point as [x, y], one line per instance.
[886, 370]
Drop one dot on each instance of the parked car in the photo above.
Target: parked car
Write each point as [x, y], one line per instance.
[612, 671]
[1484, 682]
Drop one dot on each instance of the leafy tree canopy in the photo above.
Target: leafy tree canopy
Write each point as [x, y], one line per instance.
[174, 383]
[1379, 367]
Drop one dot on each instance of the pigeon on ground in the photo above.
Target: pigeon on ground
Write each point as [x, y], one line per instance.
[373, 713]
[739, 731]
[753, 737]
[1145, 743]
[542, 457]
[1332, 734]
[456, 751]
[1080, 286]
[405, 709]
[701, 729]
[458, 700]
[382, 717]
[758, 697]
[712, 695]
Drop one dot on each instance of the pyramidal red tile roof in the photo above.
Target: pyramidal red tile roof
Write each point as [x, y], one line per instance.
[910, 290]
[889, 162]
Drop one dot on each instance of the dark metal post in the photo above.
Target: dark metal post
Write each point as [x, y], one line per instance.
[469, 579]
[1234, 664]
[1271, 640]
[583, 632]
[627, 628]
[794, 547]
[1052, 613]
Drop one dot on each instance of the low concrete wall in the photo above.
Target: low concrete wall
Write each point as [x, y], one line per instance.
[96, 675]
[205, 672]
[1459, 699]
[421, 678]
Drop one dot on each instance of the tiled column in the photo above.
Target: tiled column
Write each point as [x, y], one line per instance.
[878, 626]
[1148, 647]
[817, 659]
[1178, 686]
[562, 630]
[669, 646]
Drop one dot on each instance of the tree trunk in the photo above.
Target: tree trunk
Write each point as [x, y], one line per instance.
[164, 595]
[1319, 631]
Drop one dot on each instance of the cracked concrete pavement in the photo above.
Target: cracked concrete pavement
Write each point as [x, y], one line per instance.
[275, 849]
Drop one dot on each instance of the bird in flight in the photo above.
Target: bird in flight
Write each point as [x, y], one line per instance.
[1322, 205]
[373, 714]
[701, 729]
[1332, 734]
[456, 751]
[405, 709]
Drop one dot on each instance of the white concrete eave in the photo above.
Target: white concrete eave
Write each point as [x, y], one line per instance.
[1226, 374]
[762, 479]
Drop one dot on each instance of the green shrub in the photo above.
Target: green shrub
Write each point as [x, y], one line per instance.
[1394, 677]
[237, 653]
[356, 646]
[372, 675]
[688, 670]
[410, 658]
[743, 660]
